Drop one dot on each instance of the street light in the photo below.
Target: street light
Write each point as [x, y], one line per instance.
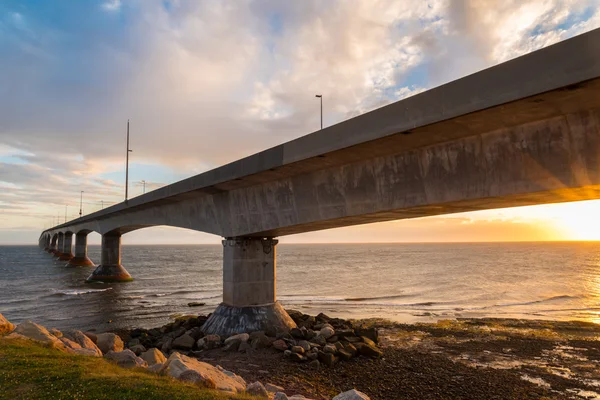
[80, 204]
[127, 163]
[321, 97]
[66, 213]
[144, 183]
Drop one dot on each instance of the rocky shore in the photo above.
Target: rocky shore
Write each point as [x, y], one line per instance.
[326, 358]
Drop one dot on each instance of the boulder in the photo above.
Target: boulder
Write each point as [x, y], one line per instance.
[259, 340]
[280, 396]
[69, 343]
[257, 389]
[167, 345]
[138, 349]
[245, 347]
[56, 332]
[371, 333]
[155, 368]
[368, 341]
[273, 388]
[92, 336]
[109, 342]
[233, 342]
[84, 341]
[209, 342]
[304, 344]
[320, 340]
[126, 359]
[344, 355]
[178, 365]
[297, 350]
[352, 395]
[327, 358]
[327, 331]
[368, 350]
[280, 345]
[153, 356]
[296, 333]
[5, 326]
[330, 348]
[33, 331]
[184, 342]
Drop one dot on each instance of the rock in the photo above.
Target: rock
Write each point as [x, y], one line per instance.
[245, 347]
[367, 350]
[196, 304]
[342, 333]
[280, 345]
[87, 352]
[310, 334]
[349, 347]
[327, 358]
[304, 344]
[84, 341]
[296, 315]
[92, 336]
[209, 342]
[56, 332]
[352, 339]
[326, 332]
[178, 364]
[315, 364]
[344, 355]
[259, 340]
[126, 359]
[257, 389]
[5, 326]
[184, 342]
[153, 356]
[138, 349]
[69, 343]
[330, 348]
[332, 339]
[371, 333]
[233, 342]
[273, 388]
[109, 342]
[133, 342]
[352, 395]
[196, 333]
[296, 357]
[296, 333]
[137, 332]
[313, 355]
[297, 350]
[322, 317]
[195, 377]
[167, 345]
[280, 396]
[176, 333]
[320, 340]
[339, 345]
[287, 353]
[33, 331]
[368, 341]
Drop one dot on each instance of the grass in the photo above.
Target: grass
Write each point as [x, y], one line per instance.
[32, 371]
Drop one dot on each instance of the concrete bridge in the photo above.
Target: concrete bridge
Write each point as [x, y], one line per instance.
[521, 133]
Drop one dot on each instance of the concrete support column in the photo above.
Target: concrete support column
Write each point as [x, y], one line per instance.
[52, 249]
[110, 268]
[59, 245]
[249, 290]
[67, 250]
[81, 258]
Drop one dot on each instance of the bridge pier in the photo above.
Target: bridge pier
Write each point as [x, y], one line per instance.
[52, 247]
[46, 243]
[59, 245]
[249, 292]
[110, 268]
[67, 250]
[81, 258]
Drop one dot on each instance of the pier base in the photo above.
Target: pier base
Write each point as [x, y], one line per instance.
[110, 268]
[67, 250]
[81, 259]
[249, 292]
[228, 320]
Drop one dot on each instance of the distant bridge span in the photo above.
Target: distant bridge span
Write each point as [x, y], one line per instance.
[521, 133]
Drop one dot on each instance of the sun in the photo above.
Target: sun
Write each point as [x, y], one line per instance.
[578, 220]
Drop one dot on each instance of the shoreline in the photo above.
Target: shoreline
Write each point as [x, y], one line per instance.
[462, 358]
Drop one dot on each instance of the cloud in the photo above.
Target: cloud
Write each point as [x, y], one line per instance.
[208, 82]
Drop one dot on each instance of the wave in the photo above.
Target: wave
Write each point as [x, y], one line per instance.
[390, 297]
[76, 292]
[528, 303]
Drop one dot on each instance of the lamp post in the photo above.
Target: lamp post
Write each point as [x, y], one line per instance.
[66, 213]
[321, 98]
[144, 185]
[81, 204]
[127, 163]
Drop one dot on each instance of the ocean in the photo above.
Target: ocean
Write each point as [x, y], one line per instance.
[402, 282]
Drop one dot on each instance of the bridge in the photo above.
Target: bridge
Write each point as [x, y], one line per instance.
[521, 133]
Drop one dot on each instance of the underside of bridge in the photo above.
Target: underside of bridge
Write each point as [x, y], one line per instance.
[524, 132]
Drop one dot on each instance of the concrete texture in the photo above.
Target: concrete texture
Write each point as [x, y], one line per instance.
[81, 258]
[249, 271]
[110, 268]
[227, 320]
[67, 250]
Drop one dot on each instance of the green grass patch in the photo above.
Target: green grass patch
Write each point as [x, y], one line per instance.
[32, 371]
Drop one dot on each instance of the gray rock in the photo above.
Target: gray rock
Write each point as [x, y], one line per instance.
[133, 342]
[371, 333]
[280, 396]
[274, 388]
[209, 342]
[312, 355]
[92, 336]
[352, 395]
[298, 350]
[109, 342]
[326, 332]
[84, 341]
[330, 348]
[155, 368]
[320, 340]
[33, 331]
[184, 342]
[242, 337]
[245, 347]
[280, 345]
[327, 358]
[167, 345]
[153, 356]
[315, 364]
[304, 344]
[296, 333]
[257, 389]
[126, 359]
[287, 353]
[138, 349]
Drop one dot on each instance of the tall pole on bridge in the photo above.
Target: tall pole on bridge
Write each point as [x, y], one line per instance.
[127, 164]
[321, 98]
[80, 203]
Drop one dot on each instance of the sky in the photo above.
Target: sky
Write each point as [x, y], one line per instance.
[208, 82]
